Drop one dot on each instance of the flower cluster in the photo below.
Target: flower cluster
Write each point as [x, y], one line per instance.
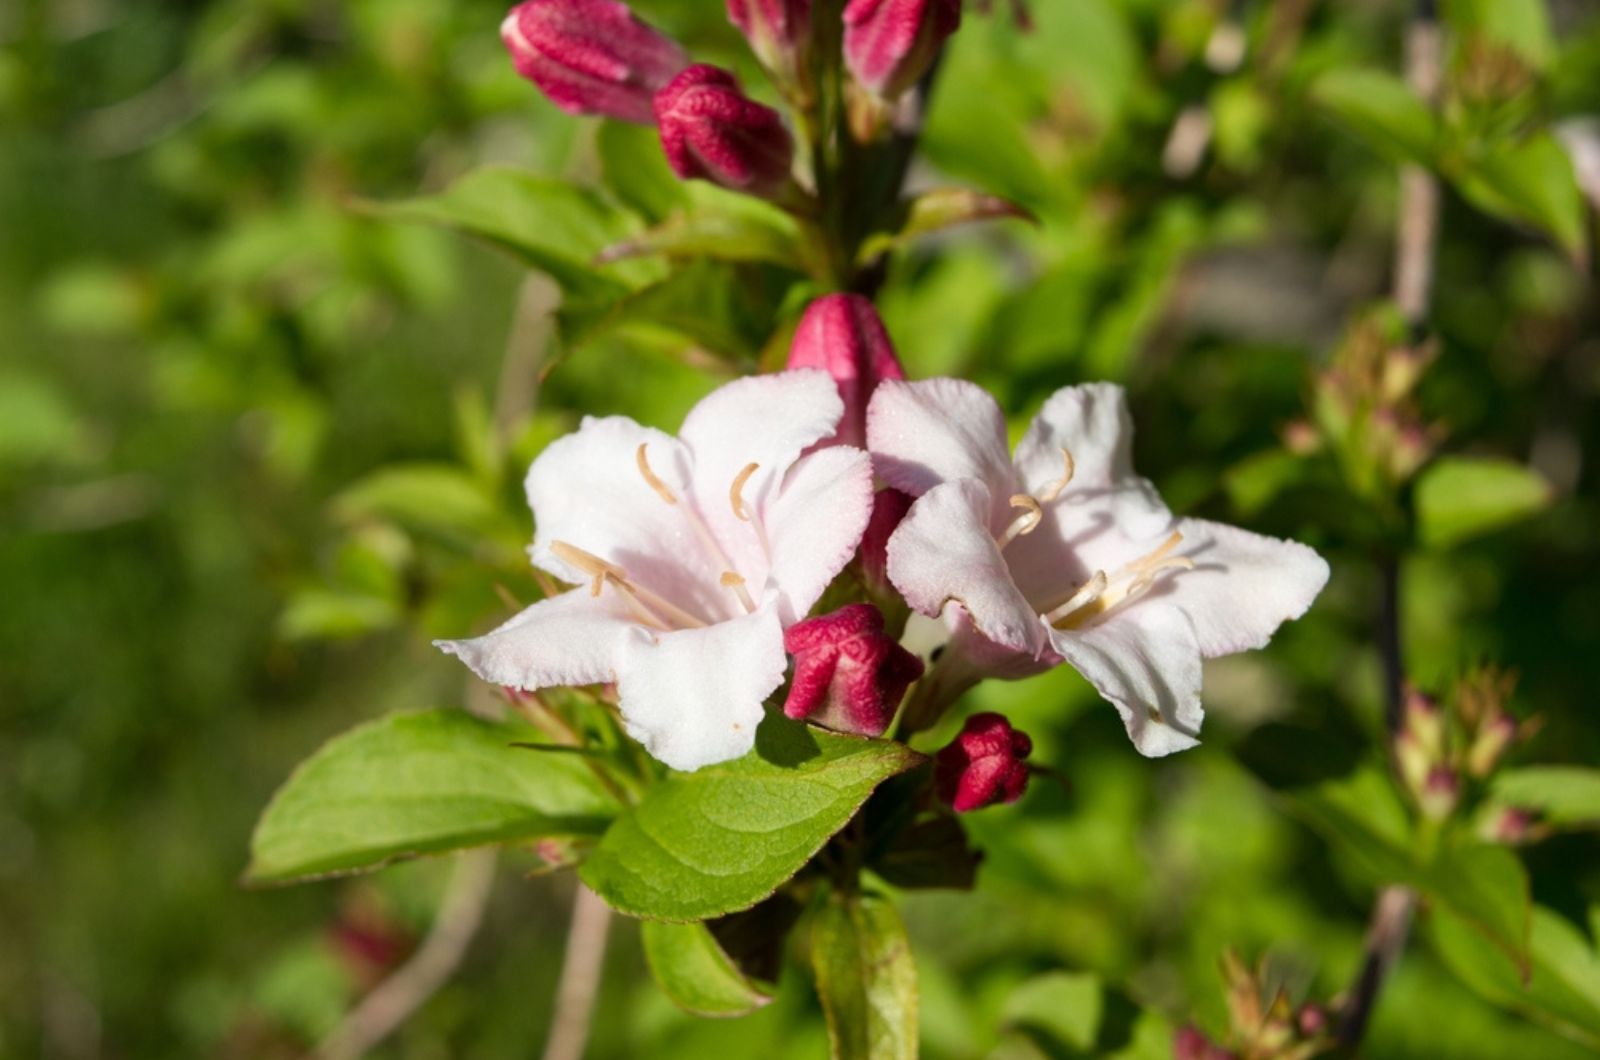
[696, 561]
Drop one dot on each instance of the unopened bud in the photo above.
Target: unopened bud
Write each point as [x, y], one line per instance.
[890, 44]
[779, 32]
[1190, 1043]
[592, 56]
[843, 335]
[1511, 825]
[1494, 738]
[849, 675]
[712, 131]
[889, 507]
[1425, 721]
[1312, 1019]
[984, 765]
[1440, 794]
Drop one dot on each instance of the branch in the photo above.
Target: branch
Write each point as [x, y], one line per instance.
[580, 976]
[392, 1001]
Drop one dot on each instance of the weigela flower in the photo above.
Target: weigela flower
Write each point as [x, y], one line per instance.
[691, 556]
[779, 31]
[710, 130]
[849, 675]
[983, 766]
[592, 56]
[889, 507]
[890, 44]
[843, 335]
[1064, 553]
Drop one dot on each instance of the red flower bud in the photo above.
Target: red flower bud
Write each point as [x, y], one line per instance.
[984, 765]
[890, 44]
[1191, 1044]
[779, 31]
[849, 675]
[843, 335]
[888, 508]
[592, 56]
[712, 131]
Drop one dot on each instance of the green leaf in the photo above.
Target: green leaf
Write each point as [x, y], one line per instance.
[635, 168]
[1563, 795]
[552, 226]
[1382, 110]
[1064, 1007]
[1458, 498]
[1521, 25]
[1485, 885]
[703, 302]
[421, 783]
[865, 978]
[693, 971]
[721, 839]
[751, 233]
[939, 209]
[1532, 182]
[1562, 987]
[431, 496]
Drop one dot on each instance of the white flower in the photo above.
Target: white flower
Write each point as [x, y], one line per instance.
[1063, 553]
[692, 555]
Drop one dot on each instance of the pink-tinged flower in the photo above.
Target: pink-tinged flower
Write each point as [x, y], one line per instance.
[779, 31]
[592, 56]
[691, 555]
[1064, 554]
[843, 335]
[984, 765]
[712, 131]
[849, 675]
[890, 44]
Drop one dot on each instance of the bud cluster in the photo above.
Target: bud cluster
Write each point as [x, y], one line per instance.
[1263, 1024]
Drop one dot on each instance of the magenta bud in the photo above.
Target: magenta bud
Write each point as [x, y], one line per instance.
[712, 131]
[843, 335]
[890, 44]
[1312, 1019]
[888, 508]
[1190, 1043]
[592, 56]
[779, 31]
[1441, 794]
[984, 765]
[849, 675]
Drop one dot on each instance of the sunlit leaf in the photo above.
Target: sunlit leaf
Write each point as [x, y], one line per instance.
[1458, 498]
[866, 978]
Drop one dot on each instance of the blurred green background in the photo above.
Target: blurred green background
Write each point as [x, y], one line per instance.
[258, 445]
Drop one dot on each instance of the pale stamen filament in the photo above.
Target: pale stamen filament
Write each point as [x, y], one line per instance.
[735, 498]
[651, 478]
[1087, 592]
[588, 562]
[732, 580]
[1101, 593]
[1055, 488]
[1025, 523]
[638, 598]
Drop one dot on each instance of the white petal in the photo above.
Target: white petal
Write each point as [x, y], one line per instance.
[586, 490]
[1243, 585]
[766, 420]
[571, 639]
[816, 523]
[942, 551]
[693, 697]
[1146, 661]
[939, 430]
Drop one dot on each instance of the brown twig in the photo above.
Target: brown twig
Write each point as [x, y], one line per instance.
[580, 976]
[392, 1001]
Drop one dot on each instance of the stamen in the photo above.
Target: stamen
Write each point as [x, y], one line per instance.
[636, 596]
[1025, 523]
[1102, 593]
[587, 562]
[650, 477]
[1087, 593]
[1154, 559]
[1055, 488]
[734, 492]
[732, 580]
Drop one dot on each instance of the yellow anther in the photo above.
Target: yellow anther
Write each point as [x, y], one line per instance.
[735, 491]
[1024, 523]
[732, 580]
[1060, 484]
[650, 476]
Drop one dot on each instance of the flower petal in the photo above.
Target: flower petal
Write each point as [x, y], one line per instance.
[571, 639]
[815, 524]
[693, 697]
[1146, 661]
[939, 430]
[942, 552]
[1242, 588]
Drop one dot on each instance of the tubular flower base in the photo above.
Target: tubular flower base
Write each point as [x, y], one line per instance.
[692, 556]
[849, 675]
[1064, 554]
[843, 335]
[592, 56]
[710, 130]
[984, 765]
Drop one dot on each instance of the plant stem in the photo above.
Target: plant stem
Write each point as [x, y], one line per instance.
[580, 976]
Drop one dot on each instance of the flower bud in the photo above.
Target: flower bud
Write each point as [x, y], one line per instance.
[890, 44]
[592, 56]
[843, 335]
[1440, 794]
[1190, 1043]
[1509, 825]
[1312, 1020]
[849, 675]
[712, 131]
[1425, 722]
[888, 508]
[1490, 745]
[984, 765]
[779, 32]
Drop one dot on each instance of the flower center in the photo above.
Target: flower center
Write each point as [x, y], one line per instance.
[1032, 510]
[649, 608]
[731, 579]
[1103, 591]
